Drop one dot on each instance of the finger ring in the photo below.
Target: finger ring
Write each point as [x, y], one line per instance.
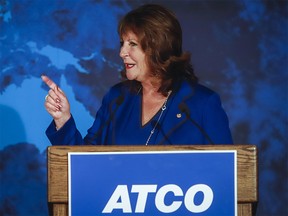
[46, 97]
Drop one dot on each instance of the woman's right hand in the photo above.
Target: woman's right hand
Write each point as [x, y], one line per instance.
[56, 103]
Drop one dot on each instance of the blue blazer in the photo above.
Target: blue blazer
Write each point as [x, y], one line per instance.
[192, 113]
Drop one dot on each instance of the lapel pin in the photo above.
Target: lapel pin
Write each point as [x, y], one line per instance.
[178, 115]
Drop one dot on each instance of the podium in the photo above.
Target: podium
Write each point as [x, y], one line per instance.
[247, 172]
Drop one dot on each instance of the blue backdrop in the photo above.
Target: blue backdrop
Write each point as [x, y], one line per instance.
[239, 48]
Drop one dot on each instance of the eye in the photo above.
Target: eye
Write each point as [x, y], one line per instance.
[121, 43]
[131, 43]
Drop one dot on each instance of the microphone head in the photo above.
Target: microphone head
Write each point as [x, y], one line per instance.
[184, 108]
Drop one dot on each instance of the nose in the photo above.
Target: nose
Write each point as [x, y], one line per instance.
[123, 52]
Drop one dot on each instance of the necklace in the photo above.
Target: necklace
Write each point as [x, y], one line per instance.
[163, 108]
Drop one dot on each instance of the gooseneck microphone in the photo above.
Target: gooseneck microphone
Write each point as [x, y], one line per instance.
[170, 132]
[118, 101]
[158, 126]
[184, 108]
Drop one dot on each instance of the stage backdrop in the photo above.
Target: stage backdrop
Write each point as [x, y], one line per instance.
[239, 48]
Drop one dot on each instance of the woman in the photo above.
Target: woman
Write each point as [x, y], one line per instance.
[159, 101]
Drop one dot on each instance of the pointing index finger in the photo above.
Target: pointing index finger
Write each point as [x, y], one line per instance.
[49, 82]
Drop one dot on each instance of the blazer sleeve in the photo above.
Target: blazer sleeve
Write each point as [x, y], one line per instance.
[66, 135]
[98, 133]
[216, 122]
[69, 134]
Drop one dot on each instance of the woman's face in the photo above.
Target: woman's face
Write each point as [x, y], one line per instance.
[134, 58]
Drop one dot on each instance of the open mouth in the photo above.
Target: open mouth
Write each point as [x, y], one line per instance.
[129, 66]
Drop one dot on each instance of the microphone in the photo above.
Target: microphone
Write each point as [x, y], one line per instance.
[159, 128]
[184, 108]
[166, 136]
[172, 130]
[119, 100]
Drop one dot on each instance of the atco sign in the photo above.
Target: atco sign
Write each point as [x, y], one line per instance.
[153, 183]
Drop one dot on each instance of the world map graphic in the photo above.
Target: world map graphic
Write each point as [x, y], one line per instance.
[239, 48]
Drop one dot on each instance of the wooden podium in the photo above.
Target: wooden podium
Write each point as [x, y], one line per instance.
[247, 174]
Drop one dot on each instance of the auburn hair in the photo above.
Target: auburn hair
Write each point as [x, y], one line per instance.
[160, 36]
